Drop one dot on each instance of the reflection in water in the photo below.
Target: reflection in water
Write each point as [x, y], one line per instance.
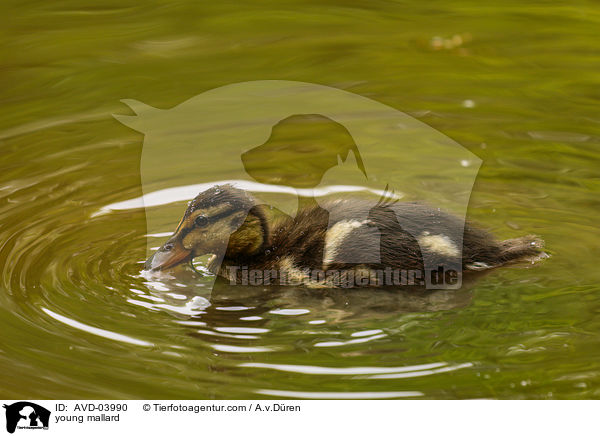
[355, 302]
[240, 320]
[247, 310]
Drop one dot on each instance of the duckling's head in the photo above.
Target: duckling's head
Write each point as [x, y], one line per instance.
[222, 217]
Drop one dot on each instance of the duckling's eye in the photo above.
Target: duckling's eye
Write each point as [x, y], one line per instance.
[201, 221]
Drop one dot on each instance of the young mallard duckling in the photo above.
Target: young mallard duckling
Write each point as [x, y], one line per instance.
[410, 237]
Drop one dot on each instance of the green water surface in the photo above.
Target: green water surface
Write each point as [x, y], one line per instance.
[516, 84]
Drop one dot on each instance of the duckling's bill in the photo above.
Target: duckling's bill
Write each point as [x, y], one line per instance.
[168, 256]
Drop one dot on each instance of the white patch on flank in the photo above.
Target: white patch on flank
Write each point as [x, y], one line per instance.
[478, 266]
[335, 237]
[294, 275]
[440, 244]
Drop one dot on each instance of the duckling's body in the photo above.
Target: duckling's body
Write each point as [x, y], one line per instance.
[345, 243]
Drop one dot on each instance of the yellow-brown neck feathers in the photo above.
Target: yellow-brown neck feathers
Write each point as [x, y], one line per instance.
[251, 237]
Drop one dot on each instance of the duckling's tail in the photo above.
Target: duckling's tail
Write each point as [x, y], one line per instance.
[526, 248]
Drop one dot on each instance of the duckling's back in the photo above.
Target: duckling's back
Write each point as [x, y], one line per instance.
[403, 235]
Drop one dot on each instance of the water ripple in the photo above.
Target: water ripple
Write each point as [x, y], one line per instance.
[358, 370]
[95, 330]
[339, 395]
